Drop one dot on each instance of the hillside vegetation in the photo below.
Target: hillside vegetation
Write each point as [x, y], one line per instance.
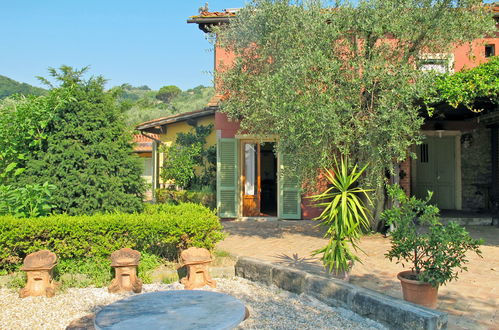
[10, 87]
[139, 104]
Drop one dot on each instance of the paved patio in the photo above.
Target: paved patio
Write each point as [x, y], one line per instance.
[472, 301]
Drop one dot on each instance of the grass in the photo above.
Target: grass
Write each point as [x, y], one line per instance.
[221, 254]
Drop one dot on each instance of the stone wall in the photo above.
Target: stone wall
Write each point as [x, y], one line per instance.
[405, 176]
[476, 169]
[392, 312]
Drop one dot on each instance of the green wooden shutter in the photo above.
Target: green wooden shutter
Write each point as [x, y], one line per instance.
[227, 178]
[289, 193]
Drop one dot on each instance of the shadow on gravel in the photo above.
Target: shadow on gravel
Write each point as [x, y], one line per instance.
[83, 323]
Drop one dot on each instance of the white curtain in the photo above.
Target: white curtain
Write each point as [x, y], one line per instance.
[249, 162]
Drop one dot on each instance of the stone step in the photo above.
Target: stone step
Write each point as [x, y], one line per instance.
[258, 219]
[468, 221]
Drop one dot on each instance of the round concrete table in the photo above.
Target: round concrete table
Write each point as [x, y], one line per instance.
[180, 309]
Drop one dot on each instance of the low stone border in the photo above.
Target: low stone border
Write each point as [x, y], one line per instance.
[392, 312]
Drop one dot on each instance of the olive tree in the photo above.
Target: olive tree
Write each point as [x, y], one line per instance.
[338, 77]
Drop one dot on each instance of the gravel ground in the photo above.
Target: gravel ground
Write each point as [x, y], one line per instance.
[269, 307]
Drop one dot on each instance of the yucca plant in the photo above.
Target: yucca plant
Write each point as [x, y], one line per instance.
[345, 215]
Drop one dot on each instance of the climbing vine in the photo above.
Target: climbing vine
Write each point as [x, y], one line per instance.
[467, 87]
[189, 163]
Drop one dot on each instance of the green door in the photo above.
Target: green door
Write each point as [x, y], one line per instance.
[436, 171]
[227, 193]
[289, 192]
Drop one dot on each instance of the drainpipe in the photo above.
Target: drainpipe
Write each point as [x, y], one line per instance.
[155, 164]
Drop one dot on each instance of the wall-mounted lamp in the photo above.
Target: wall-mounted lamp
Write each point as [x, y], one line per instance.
[439, 128]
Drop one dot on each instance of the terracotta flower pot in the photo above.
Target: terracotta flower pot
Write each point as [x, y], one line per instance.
[417, 292]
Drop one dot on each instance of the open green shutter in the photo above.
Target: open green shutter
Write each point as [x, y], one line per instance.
[289, 192]
[227, 178]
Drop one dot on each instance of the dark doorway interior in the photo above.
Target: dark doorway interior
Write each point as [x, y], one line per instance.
[268, 168]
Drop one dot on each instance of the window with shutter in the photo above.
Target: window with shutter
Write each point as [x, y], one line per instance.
[227, 183]
[289, 192]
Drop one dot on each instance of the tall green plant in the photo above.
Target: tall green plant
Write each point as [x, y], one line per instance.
[345, 214]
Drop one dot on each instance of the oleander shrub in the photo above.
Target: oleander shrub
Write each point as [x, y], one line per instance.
[205, 198]
[160, 230]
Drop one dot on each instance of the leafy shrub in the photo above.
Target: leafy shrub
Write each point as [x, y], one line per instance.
[205, 198]
[189, 162]
[179, 163]
[468, 86]
[161, 230]
[435, 253]
[32, 200]
[24, 128]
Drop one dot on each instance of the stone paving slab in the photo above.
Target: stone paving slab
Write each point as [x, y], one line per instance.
[472, 301]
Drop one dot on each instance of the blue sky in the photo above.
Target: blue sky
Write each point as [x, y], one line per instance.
[144, 42]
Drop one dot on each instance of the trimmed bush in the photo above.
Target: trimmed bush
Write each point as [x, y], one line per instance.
[207, 199]
[160, 230]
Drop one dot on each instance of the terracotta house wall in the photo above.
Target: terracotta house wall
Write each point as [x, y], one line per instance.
[309, 211]
[223, 58]
[225, 127]
[466, 56]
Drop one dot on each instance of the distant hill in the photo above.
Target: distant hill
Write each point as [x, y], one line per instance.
[139, 104]
[9, 87]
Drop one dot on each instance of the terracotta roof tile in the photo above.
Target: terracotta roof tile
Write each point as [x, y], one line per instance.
[215, 14]
[142, 143]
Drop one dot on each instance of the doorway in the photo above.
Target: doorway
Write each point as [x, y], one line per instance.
[259, 178]
[436, 171]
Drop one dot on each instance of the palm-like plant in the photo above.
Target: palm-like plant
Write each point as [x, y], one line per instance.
[345, 215]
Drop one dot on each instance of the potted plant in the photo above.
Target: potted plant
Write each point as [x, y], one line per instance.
[436, 253]
[345, 216]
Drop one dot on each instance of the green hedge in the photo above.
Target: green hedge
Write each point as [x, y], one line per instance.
[160, 230]
[207, 199]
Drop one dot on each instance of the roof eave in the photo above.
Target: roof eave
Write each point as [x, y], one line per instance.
[170, 120]
[206, 24]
